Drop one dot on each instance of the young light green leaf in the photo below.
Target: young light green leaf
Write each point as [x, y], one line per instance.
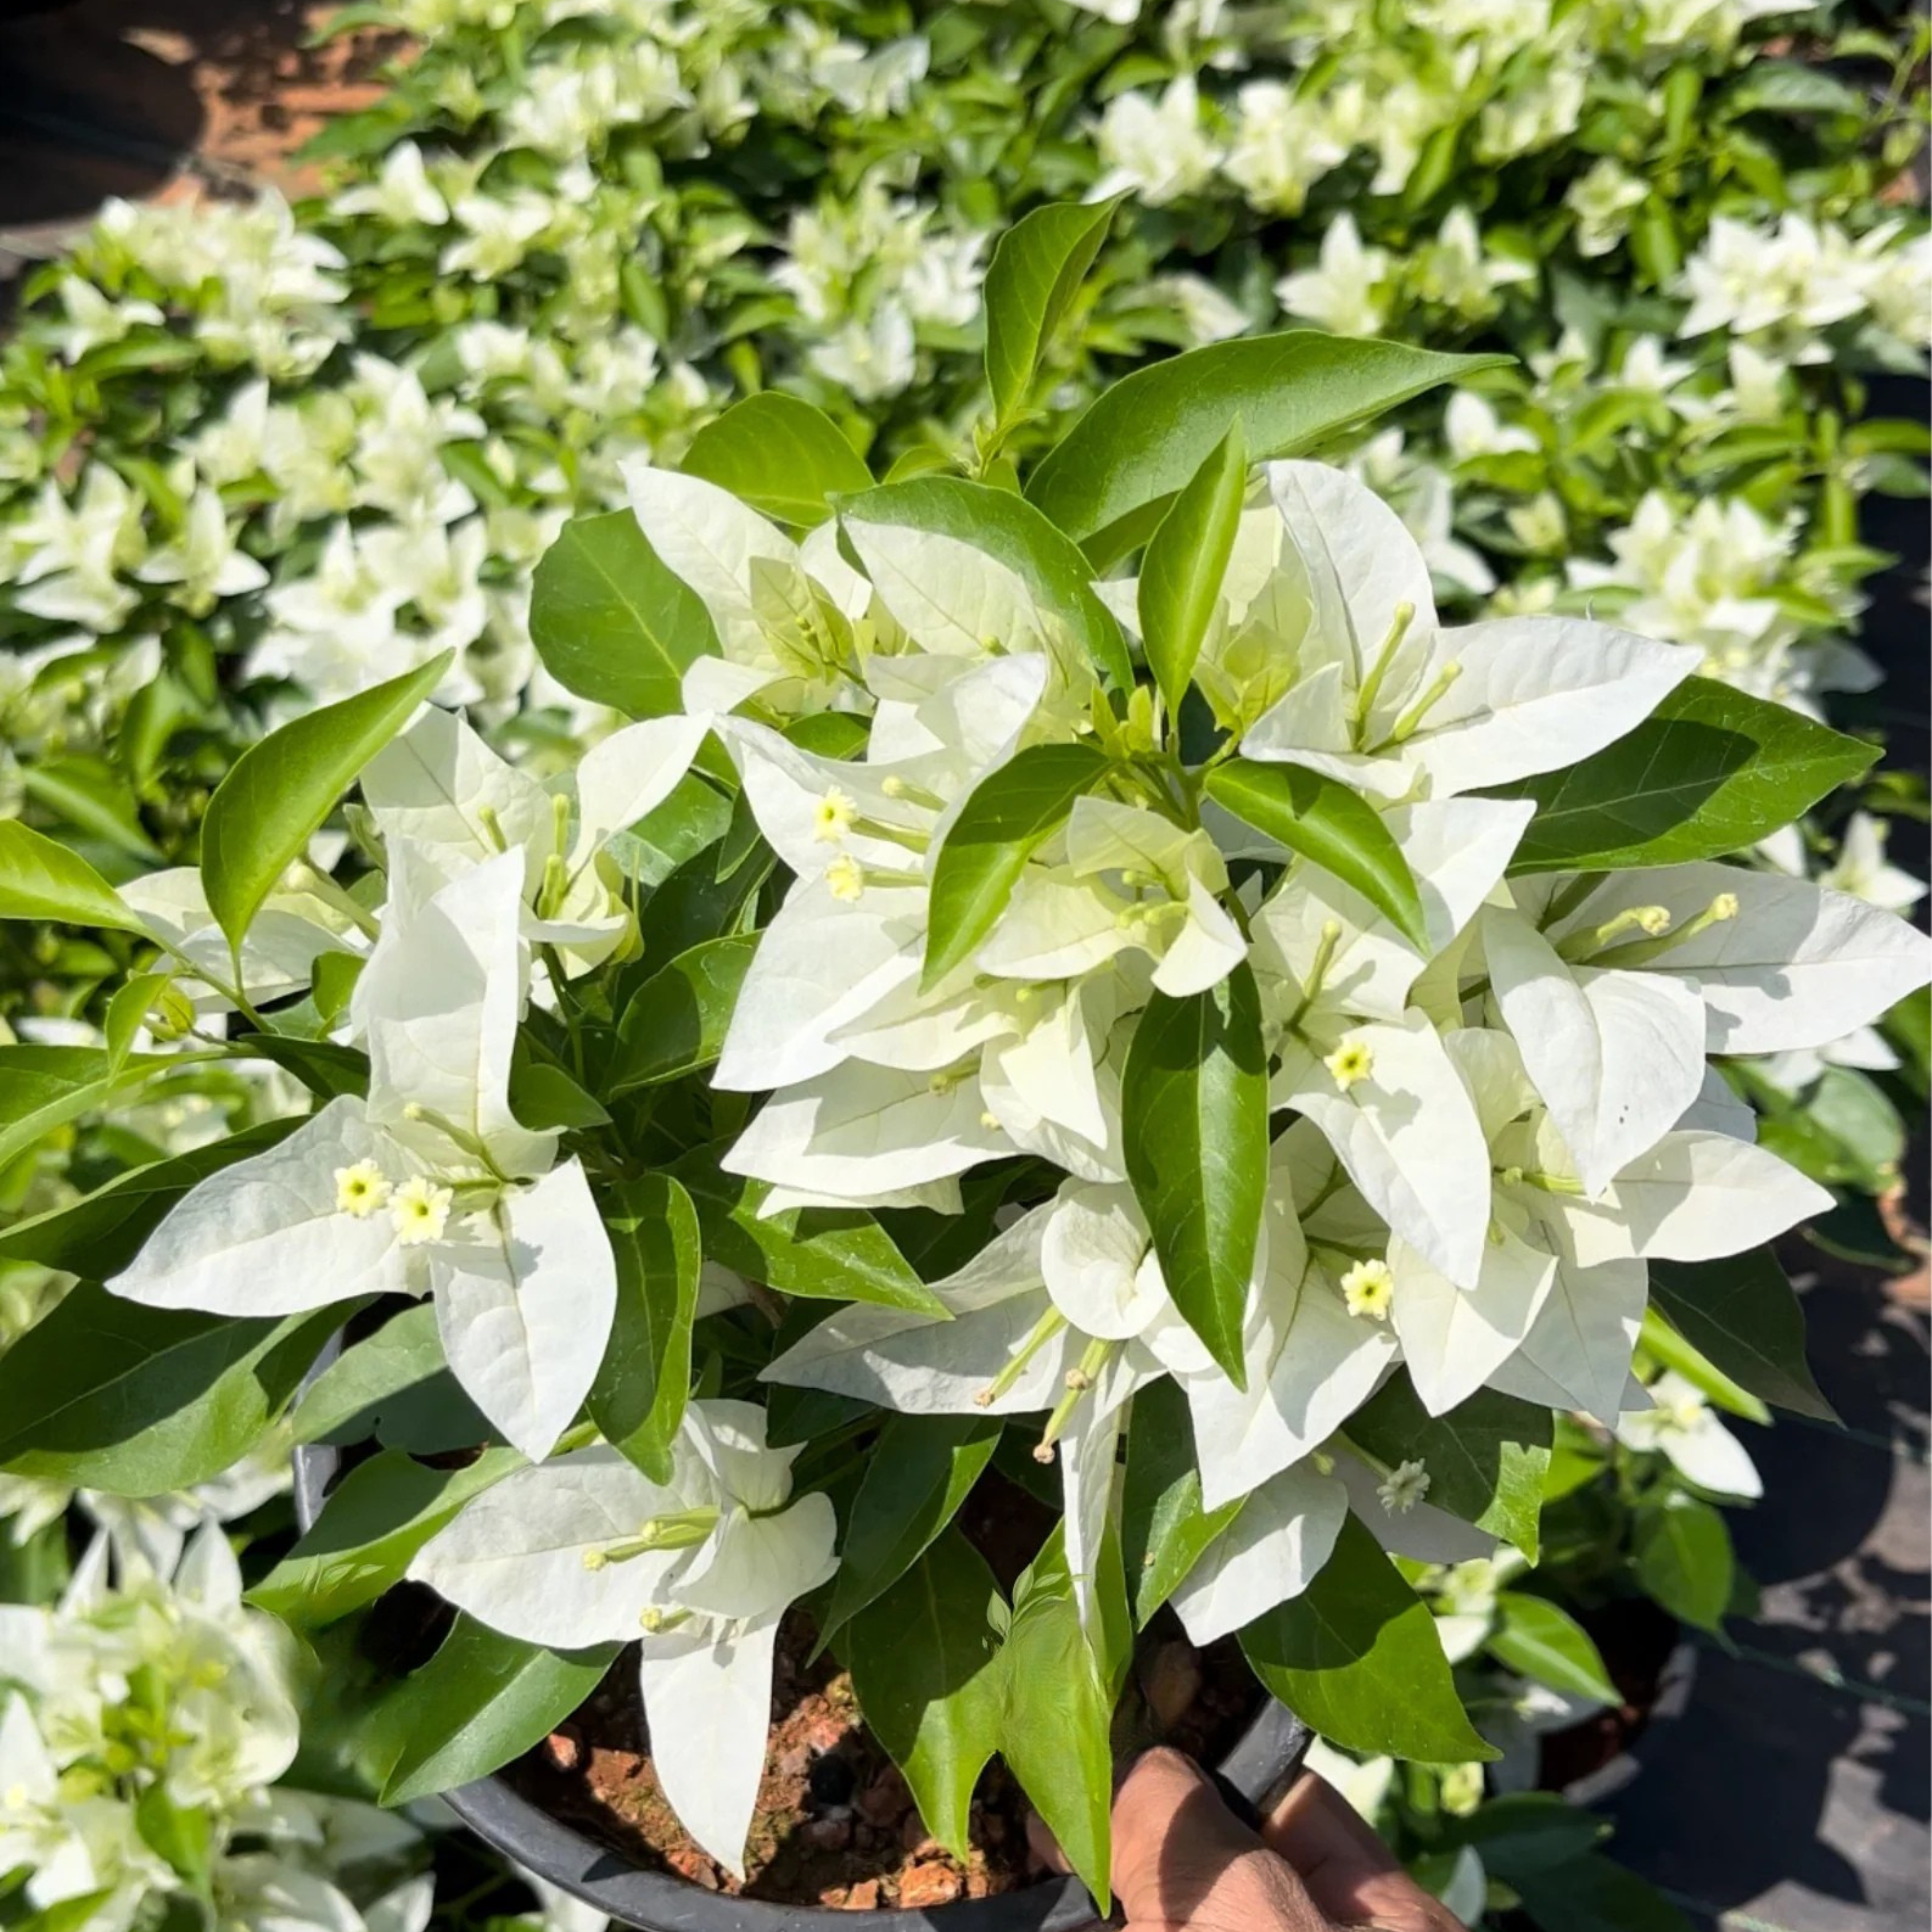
[182, 1835]
[1357, 1658]
[1684, 1559]
[1164, 1530]
[1008, 528]
[675, 1022]
[1195, 1115]
[779, 454]
[638, 1399]
[1186, 558]
[919, 1472]
[1331, 826]
[1538, 1639]
[1710, 772]
[610, 622]
[396, 1386]
[823, 1254]
[106, 1393]
[1036, 271]
[1486, 1457]
[1057, 1709]
[1669, 1350]
[1106, 481]
[40, 879]
[382, 1512]
[278, 792]
[1741, 1314]
[1010, 812]
[482, 1699]
[926, 1665]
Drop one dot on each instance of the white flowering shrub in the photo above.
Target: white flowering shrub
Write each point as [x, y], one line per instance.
[1082, 965]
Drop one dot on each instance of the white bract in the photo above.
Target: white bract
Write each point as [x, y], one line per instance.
[698, 1571]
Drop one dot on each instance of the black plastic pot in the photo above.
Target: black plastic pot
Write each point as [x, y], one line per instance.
[1269, 1752]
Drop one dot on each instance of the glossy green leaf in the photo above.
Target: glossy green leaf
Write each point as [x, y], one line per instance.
[1008, 529]
[106, 1393]
[1194, 1111]
[1486, 1458]
[1595, 1893]
[638, 1398]
[1036, 271]
[99, 1234]
[43, 1088]
[1331, 826]
[1740, 1313]
[1669, 1350]
[1053, 1728]
[182, 1835]
[1710, 772]
[396, 1386]
[1164, 1530]
[1009, 813]
[276, 794]
[917, 1474]
[1540, 1639]
[1187, 558]
[40, 879]
[481, 1700]
[675, 1023]
[1356, 1656]
[1684, 1560]
[95, 798]
[375, 1520]
[823, 1254]
[1105, 482]
[925, 1663]
[611, 623]
[780, 455]
[1519, 1832]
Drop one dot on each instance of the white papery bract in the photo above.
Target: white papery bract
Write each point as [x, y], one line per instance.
[588, 1550]
[429, 1185]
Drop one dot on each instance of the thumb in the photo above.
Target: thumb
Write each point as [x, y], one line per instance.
[1182, 1859]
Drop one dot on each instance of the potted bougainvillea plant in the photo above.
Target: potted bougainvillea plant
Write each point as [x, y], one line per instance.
[1082, 1062]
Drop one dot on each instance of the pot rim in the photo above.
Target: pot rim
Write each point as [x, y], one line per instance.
[1265, 1756]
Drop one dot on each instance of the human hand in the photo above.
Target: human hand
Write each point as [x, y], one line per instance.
[1183, 1862]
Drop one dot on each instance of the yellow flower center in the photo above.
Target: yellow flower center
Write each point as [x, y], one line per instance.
[845, 879]
[1369, 1288]
[360, 1190]
[833, 817]
[1354, 1059]
[420, 1210]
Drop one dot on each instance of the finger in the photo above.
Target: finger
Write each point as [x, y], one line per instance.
[1182, 1859]
[1351, 1875]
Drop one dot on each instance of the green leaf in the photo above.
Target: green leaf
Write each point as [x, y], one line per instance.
[481, 1700]
[1356, 1656]
[1036, 271]
[1164, 1530]
[1194, 1111]
[926, 1665]
[1741, 1315]
[1593, 1893]
[1486, 1458]
[1053, 1728]
[823, 1254]
[1528, 1832]
[637, 1400]
[43, 1088]
[396, 1386]
[1187, 558]
[95, 799]
[779, 454]
[675, 1021]
[376, 1518]
[610, 620]
[181, 1835]
[328, 1068]
[1683, 1558]
[1538, 1639]
[1007, 815]
[1788, 87]
[1144, 437]
[40, 879]
[1710, 772]
[917, 1474]
[1669, 1350]
[107, 1394]
[99, 1234]
[1011, 531]
[278, 792]
[1331, 826]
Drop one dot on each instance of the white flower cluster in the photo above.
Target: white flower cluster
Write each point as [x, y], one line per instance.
[143, 1726]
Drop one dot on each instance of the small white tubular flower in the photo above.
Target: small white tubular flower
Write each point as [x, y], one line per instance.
[1368, 1290]
[1684, 1427]
[1348, 292]
[1406, 1485]
[588, 1550]
[401, 193]
[361, 1189]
